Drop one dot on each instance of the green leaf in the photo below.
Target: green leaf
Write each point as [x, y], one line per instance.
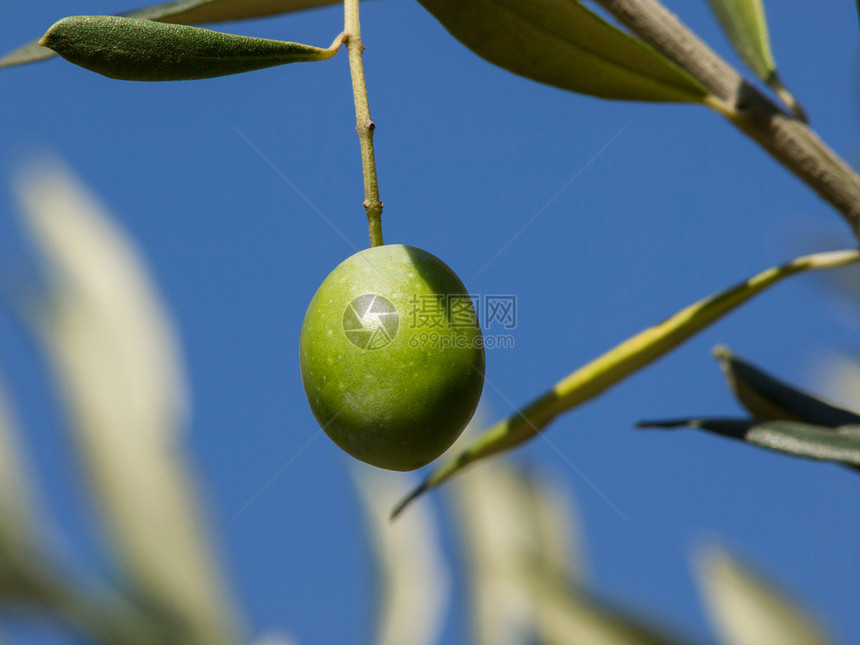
[769, 398]
[745, 24]
[790, 437]
[186, 12]
[561, 43]
[132, 49]
[748, 610]
[623, 360]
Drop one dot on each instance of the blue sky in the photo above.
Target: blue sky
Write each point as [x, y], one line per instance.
[203, 176]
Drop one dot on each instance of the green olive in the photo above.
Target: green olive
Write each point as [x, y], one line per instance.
[392, 356]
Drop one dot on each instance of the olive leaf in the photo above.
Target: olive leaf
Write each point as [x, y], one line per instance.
[573, 617]
[562, 43]
[511, 522]
[113, 350]
[769, 398]
[623, 360]
[193, 12]
[746, 609]
[745, 24]
[404, 553]
[20, 557]
[133, 49]
[517, 532]
[840, 444]
[186, 12]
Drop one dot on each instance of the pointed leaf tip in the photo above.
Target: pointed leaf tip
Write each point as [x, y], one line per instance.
[745, 24]
[406, 501]
[132, 49]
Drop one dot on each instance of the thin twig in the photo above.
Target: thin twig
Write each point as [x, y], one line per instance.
[785, 137]
[363, 124]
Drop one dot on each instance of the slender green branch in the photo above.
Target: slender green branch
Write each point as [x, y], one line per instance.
[785, 137]
[363, 124]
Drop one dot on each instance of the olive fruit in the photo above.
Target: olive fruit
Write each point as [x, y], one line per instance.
[392, 356]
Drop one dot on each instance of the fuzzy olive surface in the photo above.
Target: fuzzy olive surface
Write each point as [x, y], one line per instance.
[392, 356]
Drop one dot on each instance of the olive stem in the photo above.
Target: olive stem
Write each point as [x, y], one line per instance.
[363, 124]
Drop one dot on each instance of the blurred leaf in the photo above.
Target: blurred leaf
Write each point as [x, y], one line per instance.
[131, 49]
[745, 24]
[768, 398]
[839, 374]
[790, 437]
[571, 618]
[747, 610]
[521, 545]
[30, 574]
[115, 356]
[276, 640]
[623, 360]
[561, 43]
[20, 557]
[510, 521]
[185, 12]
[412, 571]
[15, 502]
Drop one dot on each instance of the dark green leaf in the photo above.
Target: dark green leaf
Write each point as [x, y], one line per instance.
[132, 49]
[770, 399]
[799, 439]
[734, 428]
[185, 12]
[561, 43]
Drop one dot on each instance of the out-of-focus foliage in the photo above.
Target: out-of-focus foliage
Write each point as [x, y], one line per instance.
[412, 577]
[748, 610]
[113, 350]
